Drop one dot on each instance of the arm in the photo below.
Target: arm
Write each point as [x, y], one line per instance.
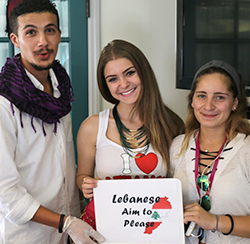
[194, 212]
[77, 229]
[19, 206]
[47, 217]
[86, 148]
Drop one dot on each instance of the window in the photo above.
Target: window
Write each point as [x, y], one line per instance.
[212, 29]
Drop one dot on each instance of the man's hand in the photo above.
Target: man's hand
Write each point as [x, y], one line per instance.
[80, 232]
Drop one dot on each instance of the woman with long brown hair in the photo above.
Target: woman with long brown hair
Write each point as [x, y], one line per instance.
[132, 139]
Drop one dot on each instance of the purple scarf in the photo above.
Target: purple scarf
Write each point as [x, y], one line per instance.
[16, 86]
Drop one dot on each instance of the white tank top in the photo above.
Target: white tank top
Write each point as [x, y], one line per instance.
[112, 162]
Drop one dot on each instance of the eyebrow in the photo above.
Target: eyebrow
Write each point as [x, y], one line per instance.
[122, 72]
[33, 26]
[216, 93]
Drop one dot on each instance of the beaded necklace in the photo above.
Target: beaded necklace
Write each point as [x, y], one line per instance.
[129, 137]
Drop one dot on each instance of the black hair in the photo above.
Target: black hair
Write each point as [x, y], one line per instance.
[25, 7]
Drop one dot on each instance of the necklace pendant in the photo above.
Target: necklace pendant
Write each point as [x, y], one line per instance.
[130, 139]
[203, 182]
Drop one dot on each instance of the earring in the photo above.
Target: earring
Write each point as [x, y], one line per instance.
[234, 108]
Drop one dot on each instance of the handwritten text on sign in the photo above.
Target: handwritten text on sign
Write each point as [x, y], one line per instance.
[140, 211]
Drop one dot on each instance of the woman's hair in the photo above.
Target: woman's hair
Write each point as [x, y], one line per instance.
[160, 122]
[237, 121]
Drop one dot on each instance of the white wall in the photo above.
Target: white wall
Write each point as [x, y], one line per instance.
[150, 25]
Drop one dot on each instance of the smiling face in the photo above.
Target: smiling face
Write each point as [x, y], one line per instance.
[122, 80]
[38, 39]
[213, 102]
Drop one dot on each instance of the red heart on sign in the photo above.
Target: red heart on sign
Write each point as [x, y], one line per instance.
[146, 163]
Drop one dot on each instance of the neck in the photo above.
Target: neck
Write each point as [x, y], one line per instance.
[131, 136]
[124, 112]
[44, 78]
[211, 140]
[47, 86]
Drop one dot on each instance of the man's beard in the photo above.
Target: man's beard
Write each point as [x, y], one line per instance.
[40, 68]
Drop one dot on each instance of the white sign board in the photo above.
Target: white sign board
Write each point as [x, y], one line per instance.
[140, 211]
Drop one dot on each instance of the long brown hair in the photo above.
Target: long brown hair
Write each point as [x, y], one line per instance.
[237, 121]
[160, 122]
